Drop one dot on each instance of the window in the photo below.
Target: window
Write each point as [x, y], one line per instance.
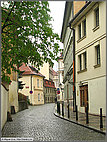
[80, 63]
[38, 97]
[85, 60]
[38, 83]
[96, 17]
[79, 31]
[41, 84]
[84, 28]
[42, 97]
[98, 54]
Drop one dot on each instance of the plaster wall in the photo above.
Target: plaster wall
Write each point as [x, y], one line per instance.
[95, 77]
[4, 106]
[13, 95]
[45, 70]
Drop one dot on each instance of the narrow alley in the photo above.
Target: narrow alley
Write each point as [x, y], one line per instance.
[40, 123]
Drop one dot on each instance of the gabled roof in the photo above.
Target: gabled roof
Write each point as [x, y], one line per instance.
[30, 70]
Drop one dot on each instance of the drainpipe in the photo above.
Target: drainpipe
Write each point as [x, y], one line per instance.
[31, 89]
[74, 88]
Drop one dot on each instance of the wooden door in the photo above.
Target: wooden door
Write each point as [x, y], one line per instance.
[84, 96]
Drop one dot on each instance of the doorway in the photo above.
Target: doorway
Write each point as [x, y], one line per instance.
[84, 102]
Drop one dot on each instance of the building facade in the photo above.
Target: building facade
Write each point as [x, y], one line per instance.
[60, 78]
[45, 70]
[33, 81]
[55, 79]
[90, 56]
[71, 8]
[49, 91]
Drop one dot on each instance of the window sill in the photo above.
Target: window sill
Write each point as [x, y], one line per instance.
[81, 39]
[96, 66]
[82, 71]
[96, 28]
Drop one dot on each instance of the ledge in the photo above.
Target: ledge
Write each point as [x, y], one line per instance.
[96, 28]
[82, 71]
[81, 39]
[96, 66]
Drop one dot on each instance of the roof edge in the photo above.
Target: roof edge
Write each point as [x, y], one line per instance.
[79, 12]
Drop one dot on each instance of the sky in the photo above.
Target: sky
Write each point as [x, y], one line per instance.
[57, 12]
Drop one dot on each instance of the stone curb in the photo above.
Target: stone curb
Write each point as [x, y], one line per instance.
[57, 115]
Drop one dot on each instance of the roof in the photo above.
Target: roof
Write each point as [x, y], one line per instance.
[30, 70]
[54, 73]
[49, 83]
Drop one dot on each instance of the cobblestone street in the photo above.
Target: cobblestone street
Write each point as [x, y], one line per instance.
[40, 123]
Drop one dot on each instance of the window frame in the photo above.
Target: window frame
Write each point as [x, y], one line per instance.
[80, 62]
[79, 31]
[38, 96]
[84, 27]
[98, 58]
[85, 59]
[37, 83]
[96, 12]
[41, 83]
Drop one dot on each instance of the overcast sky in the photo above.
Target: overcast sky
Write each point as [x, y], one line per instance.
[57, 12]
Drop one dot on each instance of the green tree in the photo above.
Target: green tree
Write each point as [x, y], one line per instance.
[27, 35]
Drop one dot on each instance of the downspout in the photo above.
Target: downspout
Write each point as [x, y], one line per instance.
[74, 88]
[31, 89]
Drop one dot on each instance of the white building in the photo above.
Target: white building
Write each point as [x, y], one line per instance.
[60, 77]
[71, 8]
[90, 53]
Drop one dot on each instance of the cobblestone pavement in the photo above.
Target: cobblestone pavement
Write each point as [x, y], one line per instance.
[40, 123]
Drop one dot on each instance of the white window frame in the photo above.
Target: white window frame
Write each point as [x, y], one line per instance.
[41, 84]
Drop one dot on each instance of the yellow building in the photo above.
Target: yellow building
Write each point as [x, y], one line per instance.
[33, 87]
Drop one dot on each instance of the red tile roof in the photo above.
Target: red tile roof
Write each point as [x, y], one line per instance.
[30, 70]
[49, 83]
[54, 73]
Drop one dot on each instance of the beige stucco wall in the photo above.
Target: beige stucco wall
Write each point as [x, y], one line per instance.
[34, 96]
[95, 77]
[45, 70]
[13, 96]
[38, 90]
[55, 80]
[4, 106]
[78, 5]
[27, 81]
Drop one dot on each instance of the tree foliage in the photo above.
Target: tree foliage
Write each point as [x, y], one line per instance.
[27, 35]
